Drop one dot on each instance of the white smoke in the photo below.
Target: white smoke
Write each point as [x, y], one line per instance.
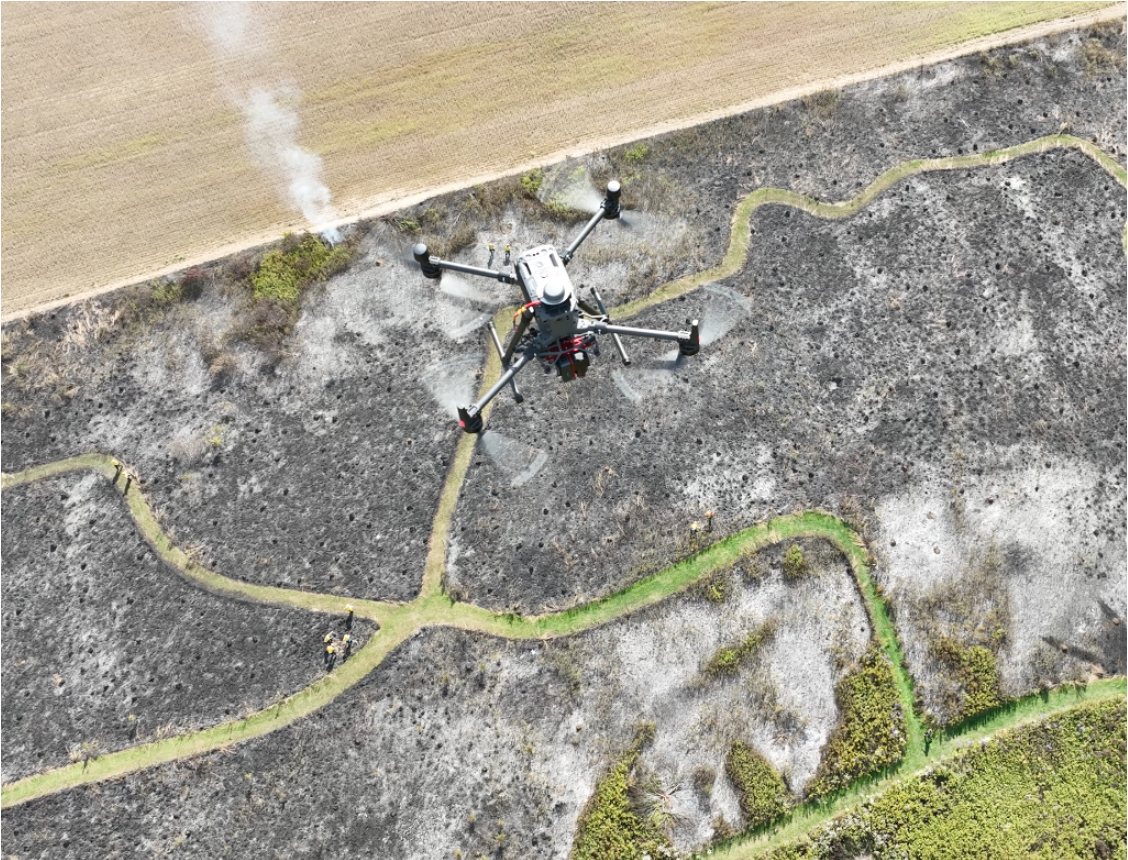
[271, 126]
[272, 134]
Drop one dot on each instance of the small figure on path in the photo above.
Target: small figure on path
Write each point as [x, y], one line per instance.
[330, 657]
[708, 521]
[117, 469]
[348, 616]
[507, 255]
[490, 261]
[347, 641]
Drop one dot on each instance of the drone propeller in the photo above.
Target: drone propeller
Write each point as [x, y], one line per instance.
[517, 461]
[451, 381]
[723, 309]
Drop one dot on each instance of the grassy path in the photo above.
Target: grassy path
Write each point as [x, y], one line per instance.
[432, 607]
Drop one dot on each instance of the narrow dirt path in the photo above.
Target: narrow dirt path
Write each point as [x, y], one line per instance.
[434, 608]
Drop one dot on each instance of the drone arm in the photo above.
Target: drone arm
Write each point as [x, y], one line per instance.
[470, 417]
[518, 333]
[609, 209]
[607, 328]
[432, 267]
[689, 342]
[618, 340]
[505, 359]
[570, 251]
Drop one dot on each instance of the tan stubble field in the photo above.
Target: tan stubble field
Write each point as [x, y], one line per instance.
[124, 140]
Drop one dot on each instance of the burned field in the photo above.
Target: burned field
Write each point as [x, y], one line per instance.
[448, 745]
[106, 648]
[952, 350]
[943, 370]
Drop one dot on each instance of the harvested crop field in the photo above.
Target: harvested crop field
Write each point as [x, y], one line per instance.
[141, 139]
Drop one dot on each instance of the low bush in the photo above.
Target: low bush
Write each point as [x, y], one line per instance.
[285, 271]
[871, 731]
[609, 828]
[794, 563]
[1055, 789]
[976, 673]
[763, 794]
[728, 659]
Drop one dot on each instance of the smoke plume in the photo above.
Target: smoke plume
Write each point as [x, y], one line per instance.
[271, 126]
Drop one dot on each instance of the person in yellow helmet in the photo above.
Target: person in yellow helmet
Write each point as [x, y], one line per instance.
[348, 616]
[347, 641]
[330, 656]
[328, 637]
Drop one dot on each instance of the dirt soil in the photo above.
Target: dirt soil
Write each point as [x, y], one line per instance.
[937, 349]
[449, 744]
[104, 646]
[149, 138]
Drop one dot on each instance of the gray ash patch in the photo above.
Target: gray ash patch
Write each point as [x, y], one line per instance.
[106, 646]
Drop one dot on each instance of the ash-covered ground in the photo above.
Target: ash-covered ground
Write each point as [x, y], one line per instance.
[945, 369]
[105, 647]
[463, 742]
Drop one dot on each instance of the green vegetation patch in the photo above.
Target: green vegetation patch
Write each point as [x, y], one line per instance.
[795, 565]
[871, 733]
[609, 827]
[285, 271]
[977, 678]
[1054, 789]
[716, 587]
[637, 153]
[729, 658]
[763, 794]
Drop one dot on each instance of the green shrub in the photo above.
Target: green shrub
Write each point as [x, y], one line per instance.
[794, 564]
[728, 658]
[977, 678]
[716, 587]
[1055, 789]
[637, 153]
[531, 182]
[609, 828]
[871, 730]
[284, 272]
[762, 791]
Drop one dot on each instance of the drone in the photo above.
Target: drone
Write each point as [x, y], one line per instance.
[554, 325]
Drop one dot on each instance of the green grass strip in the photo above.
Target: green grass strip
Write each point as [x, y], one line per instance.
[737, 254]
[301, 704]
[151, 529]
[813, 814]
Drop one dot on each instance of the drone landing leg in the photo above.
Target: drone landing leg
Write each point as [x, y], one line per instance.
[517, 395]
[615, 337]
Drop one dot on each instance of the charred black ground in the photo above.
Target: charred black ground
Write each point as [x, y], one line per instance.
[944, 369]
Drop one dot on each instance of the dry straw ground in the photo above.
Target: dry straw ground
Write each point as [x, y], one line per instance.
[124, 154]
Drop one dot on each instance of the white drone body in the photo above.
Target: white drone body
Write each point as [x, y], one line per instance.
[554, 325]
